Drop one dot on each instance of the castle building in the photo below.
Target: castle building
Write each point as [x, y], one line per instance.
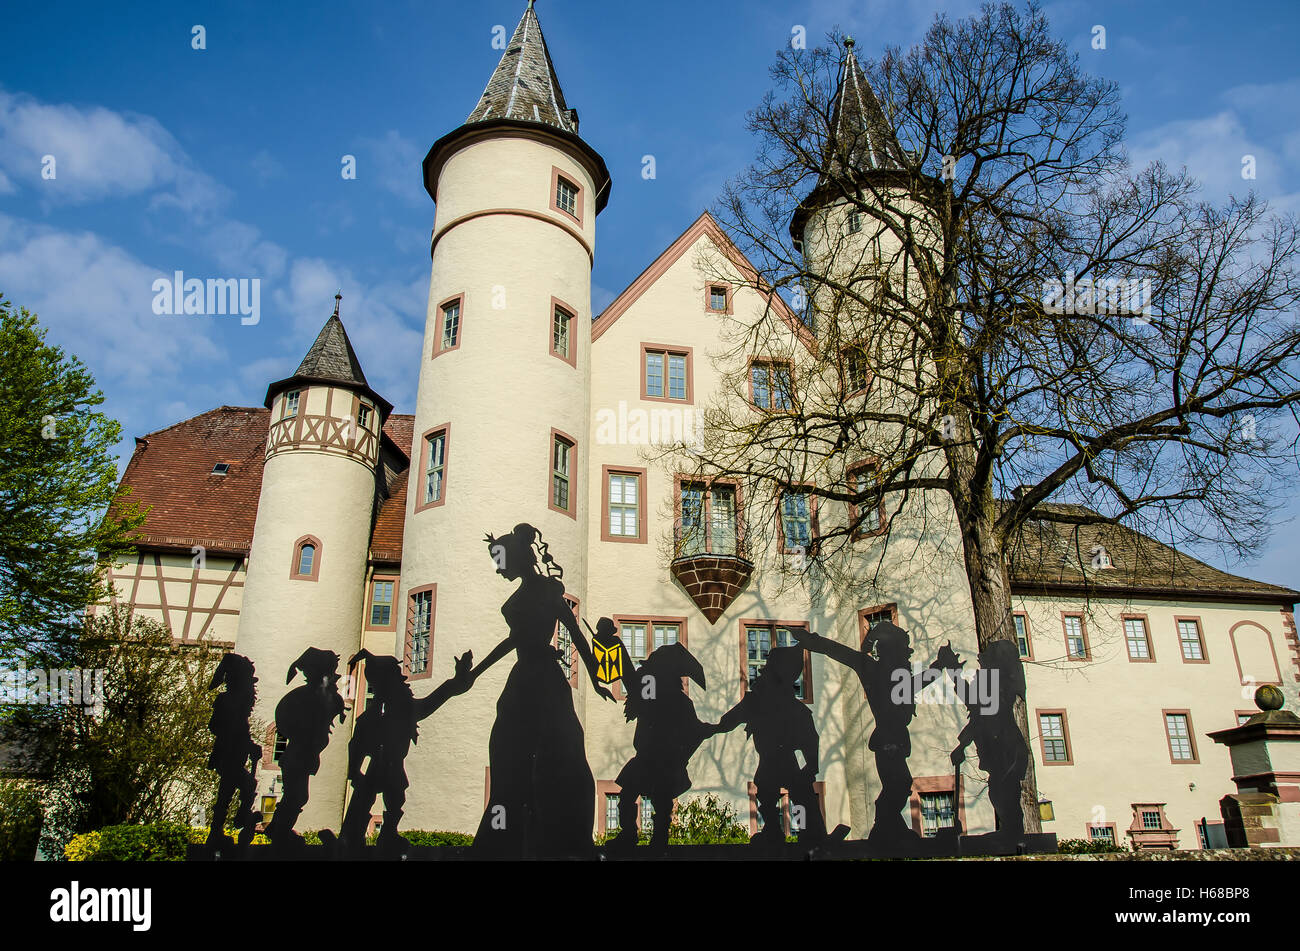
[324, 519]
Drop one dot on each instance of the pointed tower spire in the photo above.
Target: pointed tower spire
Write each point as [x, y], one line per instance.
[861, 134]
[524, 85]
[331, 361]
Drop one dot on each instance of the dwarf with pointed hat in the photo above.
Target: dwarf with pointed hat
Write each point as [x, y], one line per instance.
[383, 734]
[304, 717]
[667, 734]
[234, 754]
[783, 730]
[883, 665]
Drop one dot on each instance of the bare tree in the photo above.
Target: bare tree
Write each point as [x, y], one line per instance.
[1009, 323]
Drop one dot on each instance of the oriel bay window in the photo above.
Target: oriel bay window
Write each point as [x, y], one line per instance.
[708, 520]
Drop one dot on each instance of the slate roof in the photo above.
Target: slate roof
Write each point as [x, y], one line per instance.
[860, 131]
[1052, 556]
[171, 470]
[524, 85]
[331, 357]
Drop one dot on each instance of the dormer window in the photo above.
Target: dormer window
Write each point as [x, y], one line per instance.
[221, 468]
[290, 404]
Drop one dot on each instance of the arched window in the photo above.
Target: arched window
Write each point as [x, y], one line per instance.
[306, 559]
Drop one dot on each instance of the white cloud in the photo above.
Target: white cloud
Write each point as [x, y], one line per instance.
[392, 161]
[99, 153]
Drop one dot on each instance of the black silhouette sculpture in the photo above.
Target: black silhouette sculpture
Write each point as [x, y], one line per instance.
[668, 733]
[782, 729]
[884, 665]
[304, 717]
[542, 799]
[383, 734]
[1002, 751]
[234, 754]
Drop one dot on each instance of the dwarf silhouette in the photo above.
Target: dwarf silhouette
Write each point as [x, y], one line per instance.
[304, 717]
[782, 728]
[1002, 751]
[884, 667]
[234, 754]
[383, 734]
[667, 734]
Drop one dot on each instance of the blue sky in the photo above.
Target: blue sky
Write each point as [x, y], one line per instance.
[225, 162]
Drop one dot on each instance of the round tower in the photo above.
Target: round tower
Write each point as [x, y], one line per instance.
[307, 566]
[501, 422]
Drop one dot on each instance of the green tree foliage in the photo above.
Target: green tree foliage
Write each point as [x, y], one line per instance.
[20, 820]
[143, 757]
[58, 476]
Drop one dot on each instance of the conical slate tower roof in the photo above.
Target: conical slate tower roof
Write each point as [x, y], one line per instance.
[524, 85]
[331, 357]
[332, 361]
[859, 127]
[523, 99]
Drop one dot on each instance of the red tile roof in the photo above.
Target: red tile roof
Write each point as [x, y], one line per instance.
[171, 473]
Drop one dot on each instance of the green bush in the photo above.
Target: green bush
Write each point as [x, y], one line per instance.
[422, 837]
[1085, 847]
[20, 821]
[699, 820]
[156, 842]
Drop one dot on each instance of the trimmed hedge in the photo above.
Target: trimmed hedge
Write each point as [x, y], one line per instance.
[169, 841]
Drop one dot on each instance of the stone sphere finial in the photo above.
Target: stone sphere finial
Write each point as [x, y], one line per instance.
[1269, 697]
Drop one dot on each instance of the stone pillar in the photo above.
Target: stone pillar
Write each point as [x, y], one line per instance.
[1265, 751]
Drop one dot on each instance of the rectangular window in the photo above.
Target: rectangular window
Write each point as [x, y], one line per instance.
[866, 514]
[1076, 641]
[771, 386]
[796, 519]
[632, 634]
[855, 221]
[1189, 639]
[1135, 636]
[566, 196]
[1056, 744]
[856, 375]
[563, 641]
[938, 811]
[1102, 834]
[708, 523]
[611, 812]
[421, 631]
[435, 466]
[667, 374]
[290, 404]
[718, 298]
[363, 416]
[760, 638]
[1150, 818]
[450, 325]
[1022, 634]
[381, 603]
[561, 321]
[624, 504]
[561, 477]
[1182, 745]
